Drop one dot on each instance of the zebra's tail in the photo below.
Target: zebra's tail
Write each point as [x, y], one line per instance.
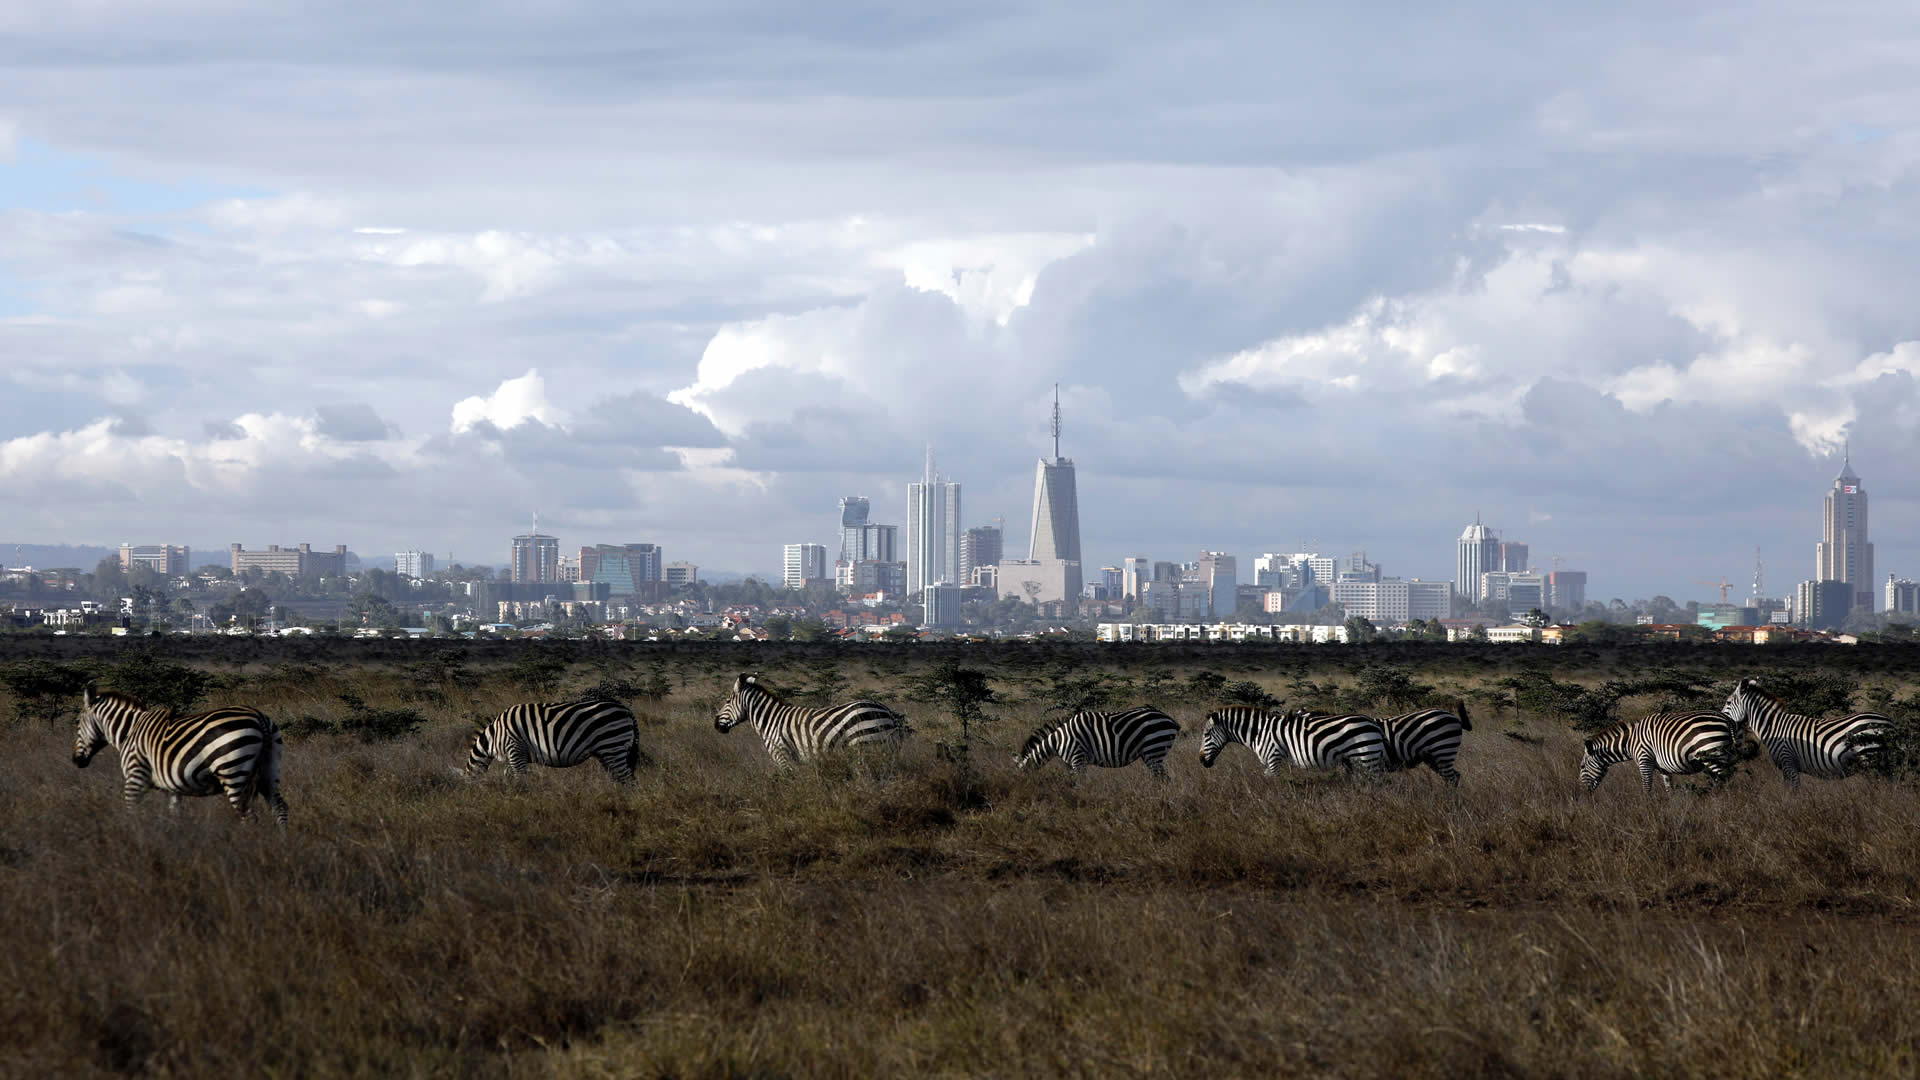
[1460, 710]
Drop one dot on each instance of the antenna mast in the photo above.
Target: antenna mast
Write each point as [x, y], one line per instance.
[1056, 421]
[1758, 592]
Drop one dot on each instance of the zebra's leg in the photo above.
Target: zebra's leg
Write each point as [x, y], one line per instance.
[1789, 766]
[1158, 767]
[239, 789]
[516, 756]
[173, 803]
[1646, 774]
[782, 758]
[616, 765]
[139, 777]
[1447, 772]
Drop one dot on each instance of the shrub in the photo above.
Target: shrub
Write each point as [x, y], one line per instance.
[375, 725]
[141, 674]
[1247, 692]
[44, 688]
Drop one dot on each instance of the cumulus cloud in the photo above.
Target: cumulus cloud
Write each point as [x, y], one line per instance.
[513, 403]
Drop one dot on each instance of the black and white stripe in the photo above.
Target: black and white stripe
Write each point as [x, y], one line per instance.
[1428, 737]
[1671, 744]
[1307, 739]
[560, 735]
[230, 750]
[795, 733]
[1111, 740]
[1830, 748]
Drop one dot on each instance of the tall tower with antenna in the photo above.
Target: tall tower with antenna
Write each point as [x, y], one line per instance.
[1056, 514]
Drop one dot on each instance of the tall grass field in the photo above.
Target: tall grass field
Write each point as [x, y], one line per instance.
[939, 912]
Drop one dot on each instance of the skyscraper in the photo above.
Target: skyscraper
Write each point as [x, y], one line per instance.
[933, 531]
[803, 564]
[980, 546]
[1479, 553]
[536, 559]
[1056, 505]
[1845, 553]
[853, 521]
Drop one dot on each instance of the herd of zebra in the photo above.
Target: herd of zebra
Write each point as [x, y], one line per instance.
[236, 750]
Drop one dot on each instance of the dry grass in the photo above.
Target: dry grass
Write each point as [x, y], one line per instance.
[718, 920]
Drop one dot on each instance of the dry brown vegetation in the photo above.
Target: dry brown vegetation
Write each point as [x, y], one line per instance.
[863, 918]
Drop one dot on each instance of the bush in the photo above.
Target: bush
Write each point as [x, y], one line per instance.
[44, 688]
[142, 675]
[363, 721]
[538, 671]
[1247, 692]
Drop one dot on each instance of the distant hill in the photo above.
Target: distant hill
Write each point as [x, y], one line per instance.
[86, 556]
[49, 556]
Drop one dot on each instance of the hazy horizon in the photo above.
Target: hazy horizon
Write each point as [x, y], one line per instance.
[1621, 282]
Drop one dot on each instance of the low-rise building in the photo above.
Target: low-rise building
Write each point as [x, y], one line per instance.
[298, 561]
[167, 560]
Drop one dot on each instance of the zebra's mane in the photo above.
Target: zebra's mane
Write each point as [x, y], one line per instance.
[749, 682]
[115, 697]
[1752, 687]
[1039, 735]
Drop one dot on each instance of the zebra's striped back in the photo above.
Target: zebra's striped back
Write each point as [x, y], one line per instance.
[1307, 739]
[1671, 744]
[1427, 736]
[230, 750]
[795, 733]
[1831, 747]
[1111, 740]
[559, 735]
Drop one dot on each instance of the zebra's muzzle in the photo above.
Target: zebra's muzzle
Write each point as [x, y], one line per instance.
[83, 760]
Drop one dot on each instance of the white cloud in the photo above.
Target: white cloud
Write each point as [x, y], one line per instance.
[514, 402]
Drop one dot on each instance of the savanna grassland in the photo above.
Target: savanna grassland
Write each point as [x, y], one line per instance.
[943, 913]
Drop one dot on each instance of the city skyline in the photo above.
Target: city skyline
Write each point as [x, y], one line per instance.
[396, 283]
[1694, 591]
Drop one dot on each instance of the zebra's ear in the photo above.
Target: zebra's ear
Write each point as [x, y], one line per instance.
[1588, 746]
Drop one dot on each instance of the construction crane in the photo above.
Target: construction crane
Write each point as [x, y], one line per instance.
[1723, 585]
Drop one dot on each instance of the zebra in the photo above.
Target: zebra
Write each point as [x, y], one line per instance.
[1670, 743]
[1429, 736]
[1302, 737]
[794, 733]
[233, 750]
[1831, 748]
[1111, 740]
[559, 735]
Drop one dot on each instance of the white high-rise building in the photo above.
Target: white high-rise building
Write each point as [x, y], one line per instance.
[413, 564]
[933, 531]
[1135, 572]
[1844, 552]
[1903, 597]
[804, 564]
[1479, 554]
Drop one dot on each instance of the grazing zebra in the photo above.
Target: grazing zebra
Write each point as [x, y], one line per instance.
[1430, 736]
[560, 735]
[1307, 739]
[794, 733]
[1831, 748]
[233, 750]
[1111, 740]
[1671, 744]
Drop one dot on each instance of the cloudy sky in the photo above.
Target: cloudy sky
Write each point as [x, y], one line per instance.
[1620, 281]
